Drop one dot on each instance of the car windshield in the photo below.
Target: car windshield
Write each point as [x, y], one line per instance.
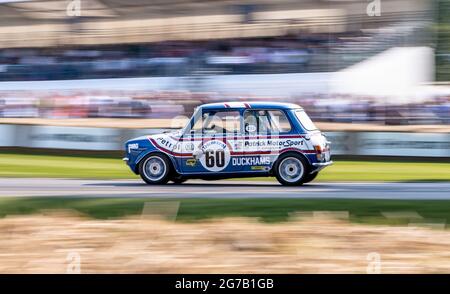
[304, 119]
[194, 118]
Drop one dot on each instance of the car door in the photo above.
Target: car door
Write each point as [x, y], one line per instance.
[209, 139]
[263, 129]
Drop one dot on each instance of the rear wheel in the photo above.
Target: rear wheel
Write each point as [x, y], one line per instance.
[155, 169]
[310, 177]
[291, 169]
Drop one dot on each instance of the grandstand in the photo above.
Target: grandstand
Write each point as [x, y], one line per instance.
[48, 23]
[54, 39]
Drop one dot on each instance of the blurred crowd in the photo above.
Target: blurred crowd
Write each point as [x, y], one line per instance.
[348, 108]
[290, 53]
[168, 104]
[286, 54]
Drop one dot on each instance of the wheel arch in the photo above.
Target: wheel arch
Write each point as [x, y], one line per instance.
[286, 153]
[151, 152]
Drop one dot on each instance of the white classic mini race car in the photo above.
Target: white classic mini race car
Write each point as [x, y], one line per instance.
[231, 140]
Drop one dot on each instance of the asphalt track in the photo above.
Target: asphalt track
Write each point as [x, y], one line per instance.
[32, 187]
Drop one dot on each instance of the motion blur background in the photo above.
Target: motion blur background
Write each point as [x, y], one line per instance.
[384, 62]
[86, 75]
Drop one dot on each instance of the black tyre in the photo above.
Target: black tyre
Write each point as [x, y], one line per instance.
[291, 169]
[178, 180]
[155, 169]
[310, 177]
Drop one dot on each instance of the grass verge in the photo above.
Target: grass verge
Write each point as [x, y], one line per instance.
[394, 212]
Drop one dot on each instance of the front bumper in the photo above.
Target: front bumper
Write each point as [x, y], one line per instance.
[317, 166]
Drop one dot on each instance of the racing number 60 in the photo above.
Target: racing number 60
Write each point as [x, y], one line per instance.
[215, 158]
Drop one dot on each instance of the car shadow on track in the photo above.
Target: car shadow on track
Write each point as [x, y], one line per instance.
[202, 184]
[206, 184]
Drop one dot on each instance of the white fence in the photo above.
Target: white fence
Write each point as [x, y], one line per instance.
[110, 139]
[390, 144]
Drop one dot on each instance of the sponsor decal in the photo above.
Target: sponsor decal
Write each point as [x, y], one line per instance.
[133, 146]
[238, 145]
[250, 128]
[191, 162]
[213, 161]
[189, 147]
[178, 147]
[251, 160]
[274, 143]
[215, 155]
[164, 142]
[184, 147]
[259, 168]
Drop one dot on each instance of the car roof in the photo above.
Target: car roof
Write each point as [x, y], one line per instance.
[257, 105]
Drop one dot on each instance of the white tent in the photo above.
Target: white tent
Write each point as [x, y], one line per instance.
[396, 74]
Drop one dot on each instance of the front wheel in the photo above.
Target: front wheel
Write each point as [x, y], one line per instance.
[291, 169]
[155, 169]
[310, 177]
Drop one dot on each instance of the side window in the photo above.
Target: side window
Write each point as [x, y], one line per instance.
[218, 122]
[266, 121]
[280, 121]
[256, 122]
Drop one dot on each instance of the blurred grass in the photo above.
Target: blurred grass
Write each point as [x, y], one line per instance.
[267, 210]
[27, 165]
